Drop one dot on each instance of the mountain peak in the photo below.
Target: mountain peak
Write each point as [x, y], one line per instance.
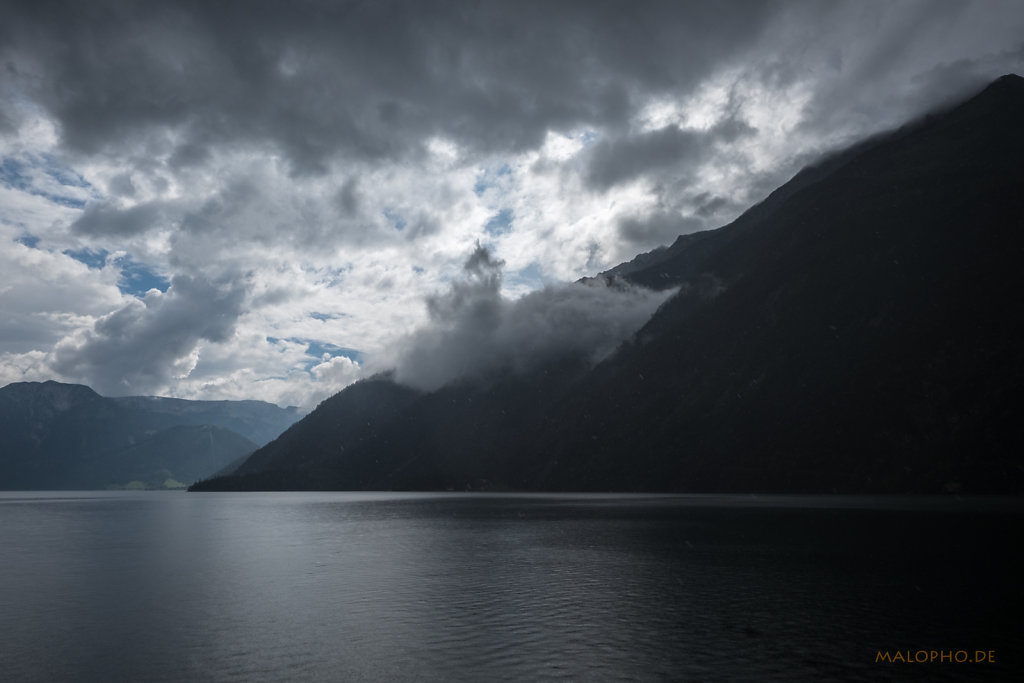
[1010, 86]
[57, 435]
[58, 395]
[1008, 81]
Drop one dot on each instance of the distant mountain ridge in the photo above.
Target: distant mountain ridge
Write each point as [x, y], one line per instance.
[858, 331]
[66, 436]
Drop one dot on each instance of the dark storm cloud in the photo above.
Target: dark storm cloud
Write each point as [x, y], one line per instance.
[617, 161]
[121, 186]
[145, 343]
[623, 159]
[661, 227]
[373, 80]
[369, 80]
[108, 219]
[708, 206]
[473, 331]
[676, 213]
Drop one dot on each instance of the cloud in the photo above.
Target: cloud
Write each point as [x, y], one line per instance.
[620, 160]
[313, 82]
[311, 77]
[144, 344]
[105, 218]
[658, 227]
[474, 331]
[45, 295]
[334, 159]
[617, 161]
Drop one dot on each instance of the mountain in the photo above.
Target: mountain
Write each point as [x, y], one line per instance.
[66, 436]
[857, 331]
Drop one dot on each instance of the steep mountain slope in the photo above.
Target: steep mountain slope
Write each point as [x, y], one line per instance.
[856, 331]
[863, 332]
[65, 436]
[380, 435]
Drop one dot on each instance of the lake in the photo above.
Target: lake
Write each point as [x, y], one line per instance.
[172, 586]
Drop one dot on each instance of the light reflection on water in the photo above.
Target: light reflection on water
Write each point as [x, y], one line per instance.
[167, 586]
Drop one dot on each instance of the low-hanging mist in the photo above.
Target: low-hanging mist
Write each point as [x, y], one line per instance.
[474, 331]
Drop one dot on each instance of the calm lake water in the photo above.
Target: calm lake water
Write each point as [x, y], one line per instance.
[168, 586]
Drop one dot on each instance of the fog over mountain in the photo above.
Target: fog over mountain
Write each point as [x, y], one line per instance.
[857, 331]
[474, 331]
[237, 199]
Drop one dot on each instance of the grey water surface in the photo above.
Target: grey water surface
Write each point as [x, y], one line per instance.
[170, 586]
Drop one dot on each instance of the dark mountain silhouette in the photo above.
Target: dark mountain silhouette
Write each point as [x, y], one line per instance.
[857, 331]
[66, 436]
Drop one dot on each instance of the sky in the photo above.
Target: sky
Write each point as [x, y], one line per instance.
[270, 200]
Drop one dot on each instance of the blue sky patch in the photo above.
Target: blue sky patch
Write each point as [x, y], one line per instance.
[13, 173]
[319, 349]
[137, 278]
[395, 218]
[21, 175]
[488, 178]
[500, 222]
[30, 241]
[62, 174]
[94, 258]
[316, 350]
[69, 202]
[324, 317]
